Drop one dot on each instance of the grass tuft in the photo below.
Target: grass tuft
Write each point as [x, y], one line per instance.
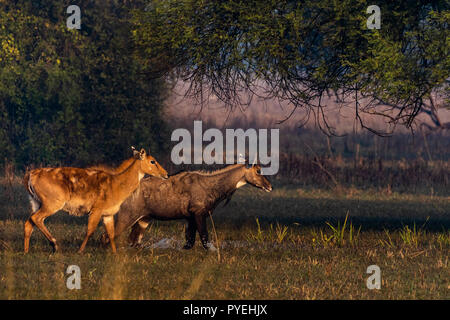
[338, 236]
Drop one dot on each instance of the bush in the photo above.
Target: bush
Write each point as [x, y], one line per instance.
[73, 97]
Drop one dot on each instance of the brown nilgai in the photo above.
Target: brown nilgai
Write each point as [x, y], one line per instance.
[80, 192]
[191, 195]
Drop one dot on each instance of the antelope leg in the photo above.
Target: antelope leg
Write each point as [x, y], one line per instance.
[93, 221]
[202, 230]
[191, 229]
[109, 225]
[137, 232]
[37, 219]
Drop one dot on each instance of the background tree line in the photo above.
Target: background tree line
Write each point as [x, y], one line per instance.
[304, 52]
[74, 97]
[84, 96]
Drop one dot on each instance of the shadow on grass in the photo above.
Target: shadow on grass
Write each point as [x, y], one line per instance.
[287, 206]
[312, 212]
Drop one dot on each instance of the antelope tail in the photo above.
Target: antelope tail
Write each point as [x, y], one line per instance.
[26, 180]
[34, 198]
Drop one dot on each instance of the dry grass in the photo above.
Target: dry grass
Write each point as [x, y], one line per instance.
[288, 260]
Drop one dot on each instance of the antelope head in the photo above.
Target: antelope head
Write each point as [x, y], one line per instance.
[255, 178]
[149, 165]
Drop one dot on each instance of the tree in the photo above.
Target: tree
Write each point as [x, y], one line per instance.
[74, 97]
[302, 51]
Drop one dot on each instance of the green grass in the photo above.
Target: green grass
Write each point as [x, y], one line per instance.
[290, 244]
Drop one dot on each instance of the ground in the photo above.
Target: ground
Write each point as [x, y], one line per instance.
[293, 243]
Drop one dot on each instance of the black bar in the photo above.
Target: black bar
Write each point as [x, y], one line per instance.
[221, 309]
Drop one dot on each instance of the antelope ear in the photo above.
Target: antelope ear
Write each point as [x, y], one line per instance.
[247, 164]
[255, 161]
[135, 152]
[142, 154]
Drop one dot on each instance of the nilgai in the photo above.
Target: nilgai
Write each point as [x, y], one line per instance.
[186, 195]
[84, 191]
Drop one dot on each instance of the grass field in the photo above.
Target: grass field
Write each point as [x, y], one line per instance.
[290, 244]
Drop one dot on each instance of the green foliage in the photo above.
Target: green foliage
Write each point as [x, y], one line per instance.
[302, 51]
[387, 243]
[259, 236]
[281, 232]
[339, 232]
[320, 238]
[443, 239]
[411, 236]
[73, 97]
[277, 235]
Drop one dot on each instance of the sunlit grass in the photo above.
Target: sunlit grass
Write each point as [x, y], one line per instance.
[277, 234]
[313, 244]
[339, 232]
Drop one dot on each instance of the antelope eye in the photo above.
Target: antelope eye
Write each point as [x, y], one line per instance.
[258, 171]
[152, 161]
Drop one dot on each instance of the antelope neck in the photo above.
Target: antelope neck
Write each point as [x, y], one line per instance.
[230, 180]
[130, 177]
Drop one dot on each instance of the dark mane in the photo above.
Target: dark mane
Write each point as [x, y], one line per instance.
[219, 171]
[209, 172]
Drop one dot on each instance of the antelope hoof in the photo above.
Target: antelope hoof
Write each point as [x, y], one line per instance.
[55, 247]
[188, 246]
